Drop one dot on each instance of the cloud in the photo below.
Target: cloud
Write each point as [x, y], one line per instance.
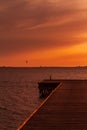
[34, 12]
[32, 25]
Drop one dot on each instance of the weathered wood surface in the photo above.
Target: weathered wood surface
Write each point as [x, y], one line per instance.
[66, 109]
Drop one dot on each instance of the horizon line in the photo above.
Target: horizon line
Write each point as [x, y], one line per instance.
[42, 66]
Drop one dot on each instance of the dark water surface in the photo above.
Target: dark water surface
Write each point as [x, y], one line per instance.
[19, 94]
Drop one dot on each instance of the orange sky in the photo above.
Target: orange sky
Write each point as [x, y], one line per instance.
[44, 32]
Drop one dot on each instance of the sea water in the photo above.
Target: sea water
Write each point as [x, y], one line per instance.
[19, 94]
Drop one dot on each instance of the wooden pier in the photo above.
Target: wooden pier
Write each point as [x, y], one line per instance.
[46, 87]
[64, 109]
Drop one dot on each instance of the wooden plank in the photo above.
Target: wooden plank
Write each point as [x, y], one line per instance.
[66, 108]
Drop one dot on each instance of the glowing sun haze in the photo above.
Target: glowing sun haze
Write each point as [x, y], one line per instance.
[44, 32]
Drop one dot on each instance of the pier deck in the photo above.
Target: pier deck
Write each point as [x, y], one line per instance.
[64, 109]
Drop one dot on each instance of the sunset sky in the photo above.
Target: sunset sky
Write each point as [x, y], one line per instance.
[43, 32]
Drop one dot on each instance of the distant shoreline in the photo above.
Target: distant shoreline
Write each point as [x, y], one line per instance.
[45, 67]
